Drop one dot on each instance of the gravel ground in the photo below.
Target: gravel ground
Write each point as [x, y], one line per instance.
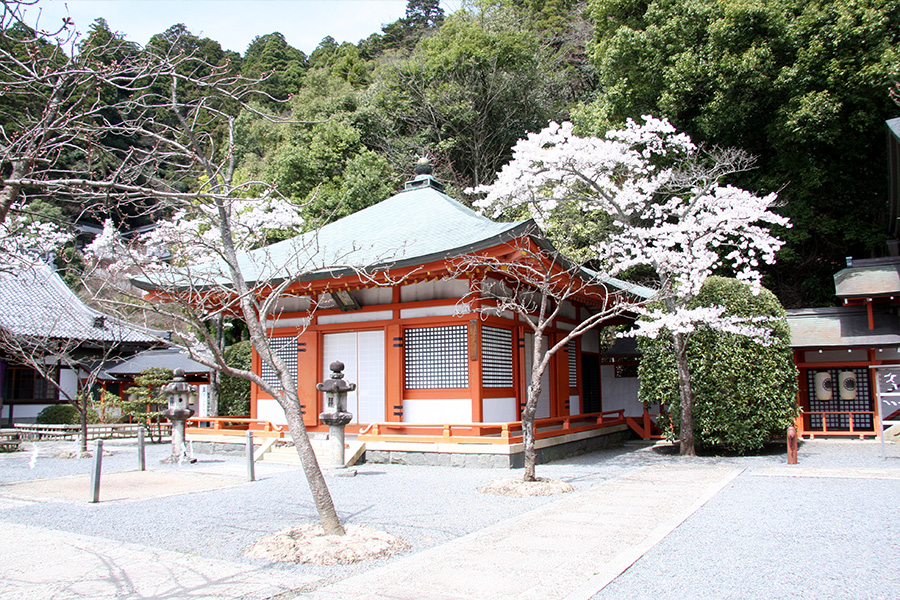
[761, 537]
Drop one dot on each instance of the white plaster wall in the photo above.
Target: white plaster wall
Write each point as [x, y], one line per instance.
[68, 381]
[499, 410]
[441, 410]
[568, 310]
[298, 322]
[574, 409]
[268, 409]
[590, 342]
[24, 413]
[620, 393]
[451, 310]
[373, 296]
[543, 407]
[356, 317]
[441, 289]
[291, 304]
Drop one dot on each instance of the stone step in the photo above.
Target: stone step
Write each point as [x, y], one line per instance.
[353, 450]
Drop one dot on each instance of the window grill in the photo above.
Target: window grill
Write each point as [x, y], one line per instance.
[286, 348]
[861, 403]
[437, 357]
[496, 357]
[573, 364]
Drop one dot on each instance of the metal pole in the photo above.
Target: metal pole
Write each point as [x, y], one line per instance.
[95, 472]
[142, 462]
[251, 472]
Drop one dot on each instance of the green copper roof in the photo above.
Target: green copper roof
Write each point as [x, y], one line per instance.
[415, 226]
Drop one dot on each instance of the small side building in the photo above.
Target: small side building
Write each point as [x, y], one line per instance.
[836, 348]
[41, 317]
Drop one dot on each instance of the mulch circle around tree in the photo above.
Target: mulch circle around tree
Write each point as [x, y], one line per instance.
[517, 488]
[310, 544]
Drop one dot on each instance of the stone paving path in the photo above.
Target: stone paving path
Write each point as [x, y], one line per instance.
[568, 549]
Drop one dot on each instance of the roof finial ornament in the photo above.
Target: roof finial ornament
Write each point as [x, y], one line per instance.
[423, 166]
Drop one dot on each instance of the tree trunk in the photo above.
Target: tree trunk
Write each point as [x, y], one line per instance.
[317, 485]
[528, 414]
[687, 397]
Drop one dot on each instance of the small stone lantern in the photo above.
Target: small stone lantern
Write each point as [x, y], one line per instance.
[335, 414]
[179, 393]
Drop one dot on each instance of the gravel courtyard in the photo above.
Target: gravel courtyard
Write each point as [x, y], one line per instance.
[824, 529]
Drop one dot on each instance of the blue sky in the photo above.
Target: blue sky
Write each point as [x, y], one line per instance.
[234, 23]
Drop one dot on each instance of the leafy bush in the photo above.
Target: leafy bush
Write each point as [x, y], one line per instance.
[64, 414]
[744, 392]
[234, 393]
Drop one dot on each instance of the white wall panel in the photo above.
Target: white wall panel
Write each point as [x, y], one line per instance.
[268, 409]
[499, 410]
[441, 410]
[68, 381]
[543, 407]
[574, 409]
[620, 393]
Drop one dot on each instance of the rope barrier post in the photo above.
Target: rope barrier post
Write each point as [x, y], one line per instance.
[95, 472]
[251, 466]
[142, 457]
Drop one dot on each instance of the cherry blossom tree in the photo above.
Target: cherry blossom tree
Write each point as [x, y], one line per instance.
[665, 207]
[153, 129]
[538, 283]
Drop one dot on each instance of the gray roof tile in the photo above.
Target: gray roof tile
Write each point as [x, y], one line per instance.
[36, 302]
[843, 327]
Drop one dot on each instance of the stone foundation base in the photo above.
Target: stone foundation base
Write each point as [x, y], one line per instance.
[495, 457]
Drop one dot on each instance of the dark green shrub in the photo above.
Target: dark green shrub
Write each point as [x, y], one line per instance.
[234, 393]
[744, 392]
[64, 414]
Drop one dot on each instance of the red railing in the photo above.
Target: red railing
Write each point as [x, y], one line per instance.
[850, 429]
[488, 433]
[234, 426]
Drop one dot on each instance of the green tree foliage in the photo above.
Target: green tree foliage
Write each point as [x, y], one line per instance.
[465, 95]
[744, 392]
[271, 55]
[422, 17]
[323, 161]
[144, 401]
[800, 84]
[234, 393]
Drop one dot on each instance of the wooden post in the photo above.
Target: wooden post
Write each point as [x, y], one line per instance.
[792, 445]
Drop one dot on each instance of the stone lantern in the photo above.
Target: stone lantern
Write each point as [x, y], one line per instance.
[335, 414]
[179, 393]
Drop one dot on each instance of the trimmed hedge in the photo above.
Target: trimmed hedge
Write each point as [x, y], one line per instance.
[234, 393]
[64, 414]
[744, 393]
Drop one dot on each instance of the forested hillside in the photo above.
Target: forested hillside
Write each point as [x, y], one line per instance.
[802, 85]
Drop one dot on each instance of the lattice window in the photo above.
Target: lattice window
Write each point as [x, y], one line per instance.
[437, 357]
[573, 364]
[861, 403]
[286, 348]
[496, 357]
